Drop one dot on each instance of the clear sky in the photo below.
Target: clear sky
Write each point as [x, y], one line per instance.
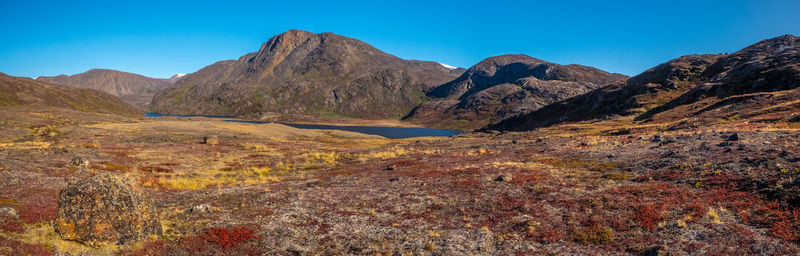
[162, 38]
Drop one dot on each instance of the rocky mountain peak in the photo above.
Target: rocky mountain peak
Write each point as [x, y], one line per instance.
[343, 75]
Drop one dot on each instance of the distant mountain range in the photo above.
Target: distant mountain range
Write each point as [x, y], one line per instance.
[18, 91]
[759, 82]
[135, 89]
[300, 74]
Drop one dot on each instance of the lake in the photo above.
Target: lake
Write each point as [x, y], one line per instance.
[388, 132]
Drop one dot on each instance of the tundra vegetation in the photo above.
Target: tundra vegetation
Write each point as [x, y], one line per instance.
[269, 188]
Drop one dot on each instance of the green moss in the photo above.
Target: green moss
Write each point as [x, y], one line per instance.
[8, 99]
[328, 113]
[181, 95]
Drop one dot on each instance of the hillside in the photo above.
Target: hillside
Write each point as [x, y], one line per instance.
[758, 82]
[302, 74]
[16, 91]
[134, 89]
[503, 86]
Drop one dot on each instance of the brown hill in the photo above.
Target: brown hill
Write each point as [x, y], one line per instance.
[759, 82]
[503, 86]
[25, 91]
[299, 73]
[135, 89]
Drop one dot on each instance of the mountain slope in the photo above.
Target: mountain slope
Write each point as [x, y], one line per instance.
[506, 85]
[302, 74]
[16, 91]
[758, 82]
[135, 89]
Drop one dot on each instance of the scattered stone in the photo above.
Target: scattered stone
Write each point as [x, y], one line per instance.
[733, 137]
[655, 251]
[656, 138]
[104, 209]
[201, 208]
[724, 144]
[8, 212]
[393, 179]
[79, 162]
[503, 178]
[391, 168]
[513, 141]
[740, 147]
[211, 140]
[727, 150]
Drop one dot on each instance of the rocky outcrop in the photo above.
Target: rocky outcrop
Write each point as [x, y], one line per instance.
[134, 89]
[105, 209]
[503, 86]
[299, 73]
[693, 86]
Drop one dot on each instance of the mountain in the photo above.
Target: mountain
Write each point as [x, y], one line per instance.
[303, 74]
[759, 82]
[135, 89]
[15, 91]
[503, 86]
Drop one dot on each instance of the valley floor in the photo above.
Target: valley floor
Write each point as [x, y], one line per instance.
[585, 189]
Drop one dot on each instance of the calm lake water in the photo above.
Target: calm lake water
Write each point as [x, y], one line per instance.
[388, 132]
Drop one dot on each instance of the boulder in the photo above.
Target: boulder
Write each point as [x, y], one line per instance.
[211, 140]
[105, 209]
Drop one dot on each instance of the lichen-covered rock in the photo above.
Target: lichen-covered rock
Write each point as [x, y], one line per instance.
[104, 209]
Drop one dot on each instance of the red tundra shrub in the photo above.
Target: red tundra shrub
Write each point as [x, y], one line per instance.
[38, 212]
[10, 225]
[784, 230]
[22, 248]
[648, 216]
[150, 248]
[228, 238]
[697, 210]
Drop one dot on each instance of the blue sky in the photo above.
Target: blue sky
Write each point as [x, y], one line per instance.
[160, 39]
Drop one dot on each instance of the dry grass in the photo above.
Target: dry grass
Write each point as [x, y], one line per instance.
[44, 234]
[25, 145]
[207, 179]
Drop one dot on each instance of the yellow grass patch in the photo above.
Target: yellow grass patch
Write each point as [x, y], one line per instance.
[26, 145]
[197, 180]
